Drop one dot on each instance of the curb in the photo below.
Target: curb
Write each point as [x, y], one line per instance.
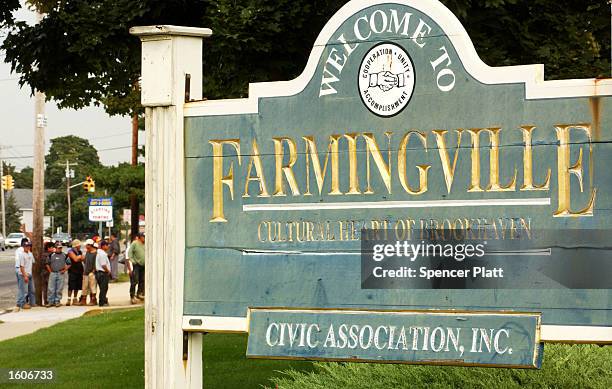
[8, 310]
[98, 311]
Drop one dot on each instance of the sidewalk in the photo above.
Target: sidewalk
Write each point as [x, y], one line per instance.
[14, 324]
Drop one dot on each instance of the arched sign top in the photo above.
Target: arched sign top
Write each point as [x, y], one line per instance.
[418, 25]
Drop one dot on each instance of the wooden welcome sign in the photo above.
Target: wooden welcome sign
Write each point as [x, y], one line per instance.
[395, 124]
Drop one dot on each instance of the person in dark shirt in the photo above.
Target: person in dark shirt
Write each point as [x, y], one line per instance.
[49, 248]
[89, 273]
[113, 255]
[75, 272]
[57, 264]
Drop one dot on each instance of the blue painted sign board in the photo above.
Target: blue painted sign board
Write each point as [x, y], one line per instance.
[395, 124]
[100, 201]
[451, 338]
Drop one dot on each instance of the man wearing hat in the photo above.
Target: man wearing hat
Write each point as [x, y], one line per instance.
[56, 265]
[24, 277]
[89, 275]
[75, 271]
[103, 271]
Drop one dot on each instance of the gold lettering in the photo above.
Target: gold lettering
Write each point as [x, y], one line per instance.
[219, 179]
[270, 239]
[526, 225]
[309, 231]
[565, 170]
[475, 184]
[352, 152]
[494, 185]
[259, 235]
[383, 168]
[449, 171]
[286, 170]
[311, 153]
[401, 165]
[256, 162]
[528, 163]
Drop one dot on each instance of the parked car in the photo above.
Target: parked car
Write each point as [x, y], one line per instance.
[2, 246]
[61, 237]
[14, 239]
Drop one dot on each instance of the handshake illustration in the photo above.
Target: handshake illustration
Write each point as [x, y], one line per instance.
[386, 80]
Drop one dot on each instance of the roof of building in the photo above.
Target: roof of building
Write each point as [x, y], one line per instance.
[23, 197]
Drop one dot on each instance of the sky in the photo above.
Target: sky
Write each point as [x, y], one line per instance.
[17, 122]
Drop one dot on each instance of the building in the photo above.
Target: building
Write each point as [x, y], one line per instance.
[23, 197]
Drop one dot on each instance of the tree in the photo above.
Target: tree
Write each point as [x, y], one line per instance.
[57, 204]
[8, 169]
[7, 7]
[75, 150]
[25, 178]
[22, 179]
[119, 182]
[13, 216]
[261, 40]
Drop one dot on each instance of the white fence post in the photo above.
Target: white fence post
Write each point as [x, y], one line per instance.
[169, 54]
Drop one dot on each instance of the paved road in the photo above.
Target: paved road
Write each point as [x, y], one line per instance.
[8, 282]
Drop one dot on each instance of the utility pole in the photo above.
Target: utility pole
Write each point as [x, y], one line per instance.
[38, 195]
[69, 173]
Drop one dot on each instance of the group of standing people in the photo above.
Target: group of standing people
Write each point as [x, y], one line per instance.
[88, 270]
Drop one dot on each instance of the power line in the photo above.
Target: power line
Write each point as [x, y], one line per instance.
[94, 138]
[108, 149]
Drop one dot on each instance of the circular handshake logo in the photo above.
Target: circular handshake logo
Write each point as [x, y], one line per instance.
[386, 79]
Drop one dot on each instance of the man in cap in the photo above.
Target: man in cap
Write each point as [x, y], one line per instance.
[136, 268]
[103, 271]
[89, 275]
[56, 266]
[24, 278]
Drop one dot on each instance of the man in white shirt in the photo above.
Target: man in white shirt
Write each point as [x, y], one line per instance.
[19, 281]
[103, 270]
[24, 277]
[18, 253]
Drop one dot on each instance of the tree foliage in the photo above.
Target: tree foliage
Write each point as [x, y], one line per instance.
[117, 182]
[75, 150]
[13, 216]
[25, 178]
[22, 179]
[82, 53]
[57, 205]
[7, 7]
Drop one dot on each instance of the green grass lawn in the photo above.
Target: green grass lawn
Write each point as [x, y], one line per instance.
[107, 351]
[123, 277]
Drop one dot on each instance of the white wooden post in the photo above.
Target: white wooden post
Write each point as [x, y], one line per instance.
[169, 53]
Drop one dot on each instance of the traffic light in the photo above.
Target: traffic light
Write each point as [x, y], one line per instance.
[89, 185]
[8, 183]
